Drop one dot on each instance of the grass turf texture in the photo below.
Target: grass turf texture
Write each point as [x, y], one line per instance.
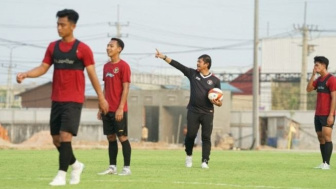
[161, 169]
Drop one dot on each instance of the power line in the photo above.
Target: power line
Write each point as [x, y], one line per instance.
[226, 47]
[147, 39]
[17, 26]
[162, 31]
[19, 43]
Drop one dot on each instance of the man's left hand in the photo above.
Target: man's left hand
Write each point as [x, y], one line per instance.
[216, 102]
[119, 114]
[330, 120]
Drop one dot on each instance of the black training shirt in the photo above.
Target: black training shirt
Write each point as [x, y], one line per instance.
[199, 88]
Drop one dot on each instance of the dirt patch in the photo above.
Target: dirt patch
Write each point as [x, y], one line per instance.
[43, 140]
[4, 144]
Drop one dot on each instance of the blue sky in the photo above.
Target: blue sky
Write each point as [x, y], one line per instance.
[184, 29]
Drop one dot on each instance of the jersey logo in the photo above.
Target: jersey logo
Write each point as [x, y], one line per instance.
[210, 82]
[63, 61]
[320, 87]
[198, 78]
[108, 74]
[116, 70]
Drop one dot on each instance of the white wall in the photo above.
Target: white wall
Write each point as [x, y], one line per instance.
[284, 55]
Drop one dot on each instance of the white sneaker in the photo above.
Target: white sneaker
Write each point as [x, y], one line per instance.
[109, 171]
[188, 161]
[125, 172]
[76, 173]
[319, 167]
[205, 165]
[326, 166]
[59, 180]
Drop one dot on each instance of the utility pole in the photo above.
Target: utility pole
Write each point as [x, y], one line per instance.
[303, 81]
[256, 138]
[305, 29]
[9, 93]
[118, 26]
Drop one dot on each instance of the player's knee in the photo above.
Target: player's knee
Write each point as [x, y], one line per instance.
[190, 137]
[321, 140]
[122, 138]
[205, 138]
[111, 138]
[57, 142]
[327, 138]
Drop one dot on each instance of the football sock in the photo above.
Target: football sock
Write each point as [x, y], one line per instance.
[65, 156]
[328, 151]
[113, 152]
[72, 160]
[322, 149]
[126, 148]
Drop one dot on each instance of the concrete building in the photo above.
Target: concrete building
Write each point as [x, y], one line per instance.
[284, 55]
[242, 99]
[162, 109]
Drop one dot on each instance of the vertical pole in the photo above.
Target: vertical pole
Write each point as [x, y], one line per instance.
[118, 24]
[9, 80]
[303, 81]
[178, 129]
[256, 138]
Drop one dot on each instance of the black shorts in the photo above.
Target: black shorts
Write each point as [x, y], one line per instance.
[65, 116]
[111, 126]
[321, 121]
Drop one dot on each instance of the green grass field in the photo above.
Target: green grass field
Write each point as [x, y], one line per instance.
[161, 169]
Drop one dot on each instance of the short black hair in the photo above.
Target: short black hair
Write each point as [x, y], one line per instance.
[72, 15]
[322, 60]
[206, 59]
[120, 42]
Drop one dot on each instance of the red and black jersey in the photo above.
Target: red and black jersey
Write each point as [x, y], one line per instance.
[324, 86]
[69, 60]
[199, 88]
[114, 75]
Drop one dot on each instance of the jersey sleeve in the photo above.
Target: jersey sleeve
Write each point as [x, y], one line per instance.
[185, 70]
[86, 54]
[104, 72]
[48, 54]
[126, 74]
[331, 83]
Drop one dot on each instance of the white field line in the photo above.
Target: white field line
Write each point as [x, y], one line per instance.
[177, 182]
[207, 184]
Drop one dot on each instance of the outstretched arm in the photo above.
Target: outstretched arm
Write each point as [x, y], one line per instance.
[185, 70]
[35, 72]
[162, 56]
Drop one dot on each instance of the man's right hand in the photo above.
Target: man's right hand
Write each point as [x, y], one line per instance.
[158, 54]
[99, 116]
[103, 106]
[314, 72]
[20, 77]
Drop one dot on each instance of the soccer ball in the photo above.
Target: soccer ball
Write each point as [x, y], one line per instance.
[216, 94]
